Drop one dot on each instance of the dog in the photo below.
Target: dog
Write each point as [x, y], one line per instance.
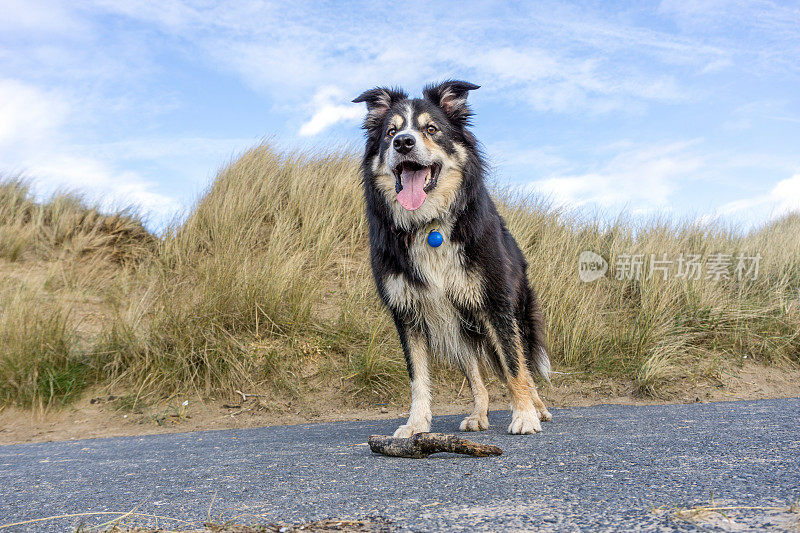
[444, 263]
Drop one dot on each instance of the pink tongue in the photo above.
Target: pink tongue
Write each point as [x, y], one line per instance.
[413, 194]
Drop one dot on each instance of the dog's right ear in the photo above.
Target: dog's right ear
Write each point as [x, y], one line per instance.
[379, 100]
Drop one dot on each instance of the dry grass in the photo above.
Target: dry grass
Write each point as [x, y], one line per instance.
[266, 281]
[733, 517]
[40, 361]
[59, 260]
[65, 227]
[266, 287]
[657, 330]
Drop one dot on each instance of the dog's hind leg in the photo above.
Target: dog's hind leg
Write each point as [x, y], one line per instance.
[531, 326]
[505, 339]
[479, 419]
[419, 418]
[544, 414]
[524, 416]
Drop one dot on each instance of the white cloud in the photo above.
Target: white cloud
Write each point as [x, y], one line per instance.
[765, 36]
[37, 16]
[711, 15]
[327, 112]
[561, 59]
[34, 141]
[638, 177]
[542, 160]
[786, 195]
[28, 115]
[115, 60]
[100, 182]
[328, 115]
[176, 148]
[783, 198]
[561, 83]
[744, 116]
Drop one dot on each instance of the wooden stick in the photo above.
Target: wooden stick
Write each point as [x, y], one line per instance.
[421, 445]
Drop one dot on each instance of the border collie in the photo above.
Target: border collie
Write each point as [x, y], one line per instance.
[445, 265]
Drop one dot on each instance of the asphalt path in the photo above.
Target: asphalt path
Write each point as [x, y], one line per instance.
[601, 468]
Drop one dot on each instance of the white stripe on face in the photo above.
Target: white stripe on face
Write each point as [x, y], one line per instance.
[408, 129]
[408, 126]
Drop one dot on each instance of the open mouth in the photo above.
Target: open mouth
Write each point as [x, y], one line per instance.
[414, 182]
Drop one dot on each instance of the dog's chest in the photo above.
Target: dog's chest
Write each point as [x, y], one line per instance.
[446, 284]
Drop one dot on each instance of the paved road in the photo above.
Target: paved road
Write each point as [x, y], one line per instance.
[594, 469]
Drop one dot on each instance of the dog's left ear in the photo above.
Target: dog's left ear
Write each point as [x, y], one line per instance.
[451, 96]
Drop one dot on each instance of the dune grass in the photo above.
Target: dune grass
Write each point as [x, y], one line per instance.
[39, 362]
[266, 286]
[57, 258]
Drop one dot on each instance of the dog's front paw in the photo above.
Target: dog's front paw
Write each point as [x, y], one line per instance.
[406, 430]
[475, 423]
[545, 416]
[525, 423]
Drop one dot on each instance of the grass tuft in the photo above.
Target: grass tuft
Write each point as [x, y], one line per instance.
[40, 363]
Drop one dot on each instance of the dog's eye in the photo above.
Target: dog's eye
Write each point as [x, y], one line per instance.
[391, 131]
[431, 129]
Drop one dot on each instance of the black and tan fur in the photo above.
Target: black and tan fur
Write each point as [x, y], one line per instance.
[468, 301]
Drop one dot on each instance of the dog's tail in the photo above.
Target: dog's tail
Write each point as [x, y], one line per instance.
[533, 334]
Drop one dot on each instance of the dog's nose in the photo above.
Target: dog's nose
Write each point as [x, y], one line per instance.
[404, 143]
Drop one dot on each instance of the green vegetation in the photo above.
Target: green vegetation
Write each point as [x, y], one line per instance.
[266, 287]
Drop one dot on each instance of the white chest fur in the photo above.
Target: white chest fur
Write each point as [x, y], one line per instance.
[446, 281]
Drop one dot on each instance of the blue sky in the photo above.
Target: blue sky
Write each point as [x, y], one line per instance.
[684, 109]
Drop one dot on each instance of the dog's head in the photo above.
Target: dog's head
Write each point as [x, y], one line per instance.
[417, 149]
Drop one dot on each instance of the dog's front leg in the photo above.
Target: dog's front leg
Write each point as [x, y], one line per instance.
[419, 418]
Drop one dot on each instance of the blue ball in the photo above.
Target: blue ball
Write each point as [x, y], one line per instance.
[435, 239]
